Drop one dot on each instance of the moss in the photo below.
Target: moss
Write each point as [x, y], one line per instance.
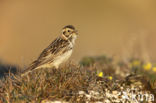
[65, 83]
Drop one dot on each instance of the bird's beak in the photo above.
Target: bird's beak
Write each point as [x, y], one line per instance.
[76, 32]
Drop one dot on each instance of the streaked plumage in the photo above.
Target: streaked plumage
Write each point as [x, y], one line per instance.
[57, 52]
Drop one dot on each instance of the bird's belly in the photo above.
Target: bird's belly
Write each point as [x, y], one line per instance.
[62, 58]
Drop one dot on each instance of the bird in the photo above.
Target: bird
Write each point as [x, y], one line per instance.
[57, 52]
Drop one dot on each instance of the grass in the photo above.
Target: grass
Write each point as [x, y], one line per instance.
[66, 82]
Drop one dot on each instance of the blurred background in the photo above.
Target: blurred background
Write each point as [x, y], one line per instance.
[119, 28]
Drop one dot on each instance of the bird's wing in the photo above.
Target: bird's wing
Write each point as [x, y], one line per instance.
[56, 48]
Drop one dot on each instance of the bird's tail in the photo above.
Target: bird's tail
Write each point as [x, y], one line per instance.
[32, 67]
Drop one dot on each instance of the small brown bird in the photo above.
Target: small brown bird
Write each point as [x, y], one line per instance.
[57, 52]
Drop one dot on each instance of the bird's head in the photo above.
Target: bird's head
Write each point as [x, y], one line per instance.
[69, 33]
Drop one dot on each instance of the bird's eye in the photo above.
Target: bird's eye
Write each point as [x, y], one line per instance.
[68, 30]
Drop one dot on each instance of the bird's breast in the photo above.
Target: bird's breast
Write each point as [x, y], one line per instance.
[62, 58]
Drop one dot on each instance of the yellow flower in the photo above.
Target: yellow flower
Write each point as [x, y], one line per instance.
[136, 63]
[100, 74]
[154, 69]
[110, 77]
[147, 66]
